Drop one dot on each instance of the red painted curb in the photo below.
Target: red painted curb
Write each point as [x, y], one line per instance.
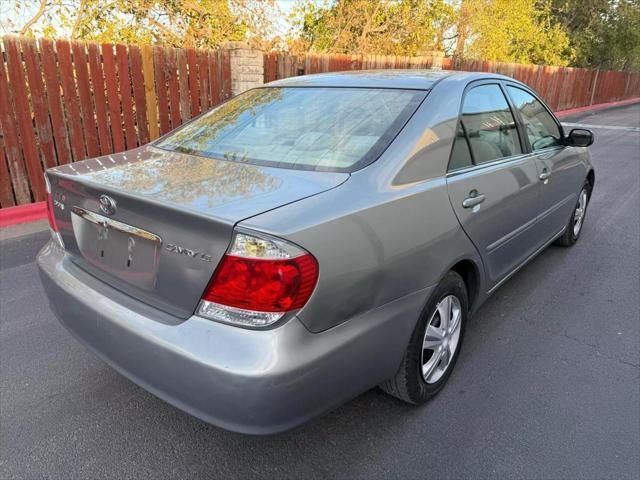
[23, 214]
[597, 106]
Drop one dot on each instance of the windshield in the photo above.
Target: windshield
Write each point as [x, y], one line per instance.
[329, 129]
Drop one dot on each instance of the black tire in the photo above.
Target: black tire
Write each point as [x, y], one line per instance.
[409, 384]
[569, 237]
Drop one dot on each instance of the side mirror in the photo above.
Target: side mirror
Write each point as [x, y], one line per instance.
[580, 137]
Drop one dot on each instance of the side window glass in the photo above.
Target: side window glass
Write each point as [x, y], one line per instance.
[460, 155]
[541, 128]
[489, 123]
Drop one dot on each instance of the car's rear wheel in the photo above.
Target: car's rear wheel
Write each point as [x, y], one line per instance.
[576, 221]
[435, 344]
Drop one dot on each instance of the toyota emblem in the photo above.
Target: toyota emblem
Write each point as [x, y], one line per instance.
[107, 205]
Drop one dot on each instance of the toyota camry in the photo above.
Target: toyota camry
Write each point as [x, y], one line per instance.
[311, 239]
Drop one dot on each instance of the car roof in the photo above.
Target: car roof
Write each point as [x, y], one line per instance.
[419, 79]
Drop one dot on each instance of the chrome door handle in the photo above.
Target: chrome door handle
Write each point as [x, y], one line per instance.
[472, 200]
[544, 175]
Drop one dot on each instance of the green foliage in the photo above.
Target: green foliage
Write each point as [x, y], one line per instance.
[402, 27]
[180, 23]
[201, 23]
[604, 33]
[586, 33]
[512, 31]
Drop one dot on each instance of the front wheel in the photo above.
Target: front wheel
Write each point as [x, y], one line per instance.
[574, 227]
[435, 344]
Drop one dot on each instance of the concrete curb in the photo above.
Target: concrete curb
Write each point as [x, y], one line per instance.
[597, 106]
[38, 211]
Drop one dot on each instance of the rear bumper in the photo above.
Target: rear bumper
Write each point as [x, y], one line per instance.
[249, 381]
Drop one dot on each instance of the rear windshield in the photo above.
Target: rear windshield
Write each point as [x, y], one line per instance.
[311, 128]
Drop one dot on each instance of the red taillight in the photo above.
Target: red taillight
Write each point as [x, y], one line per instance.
[263, 285]
[50, 216]
[258, 281]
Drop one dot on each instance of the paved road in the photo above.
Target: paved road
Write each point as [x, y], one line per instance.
[547, 385]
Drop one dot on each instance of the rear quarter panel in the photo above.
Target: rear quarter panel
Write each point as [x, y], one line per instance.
[388, 231]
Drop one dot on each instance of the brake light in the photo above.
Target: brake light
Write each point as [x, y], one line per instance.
[258, 280]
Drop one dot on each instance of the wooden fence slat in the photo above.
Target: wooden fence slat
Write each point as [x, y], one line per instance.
[194, 87]
[174, 86]
[38, 100]
[185, 107]
[214, 77]
[126, 99]
[22, 112]
[52, 85]
[86, 102]
[150, 91]
[15, 161]
[159, 65]
[70, 100]
[203, 70]
[225, 74]
[98, 88]
[6, 189]
[138, 80]
[111, 82]
[270, 67]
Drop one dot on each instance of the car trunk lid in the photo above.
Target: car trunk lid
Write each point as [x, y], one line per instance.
[155, 224]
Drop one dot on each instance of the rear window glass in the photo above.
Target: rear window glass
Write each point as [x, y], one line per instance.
[329, 129]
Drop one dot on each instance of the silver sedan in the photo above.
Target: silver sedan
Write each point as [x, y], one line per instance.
[311, 239]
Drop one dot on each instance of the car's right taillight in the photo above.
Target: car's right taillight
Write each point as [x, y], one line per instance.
[258, 281]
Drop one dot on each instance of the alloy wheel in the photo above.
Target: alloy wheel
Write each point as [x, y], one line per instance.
[441, 338]
[581, 209]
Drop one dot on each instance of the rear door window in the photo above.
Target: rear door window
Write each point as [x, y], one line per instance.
[489, 124]
[542, 130]
[461, 153]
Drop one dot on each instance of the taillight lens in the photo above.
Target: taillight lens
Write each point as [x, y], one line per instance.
[259, 280]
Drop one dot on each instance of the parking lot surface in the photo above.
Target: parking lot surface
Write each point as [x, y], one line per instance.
[547, 385]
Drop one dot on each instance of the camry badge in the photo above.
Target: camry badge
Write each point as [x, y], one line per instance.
[107, 205]
[172, 247]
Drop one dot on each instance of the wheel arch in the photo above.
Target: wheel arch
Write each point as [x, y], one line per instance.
[591, 178]
[470, 273]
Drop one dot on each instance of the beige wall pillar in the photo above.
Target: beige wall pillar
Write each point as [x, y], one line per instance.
[437, 57]
[247, 67]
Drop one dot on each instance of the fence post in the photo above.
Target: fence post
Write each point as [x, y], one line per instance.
[247, 67]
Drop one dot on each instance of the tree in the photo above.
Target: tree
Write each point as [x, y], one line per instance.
[603, 33]
[511, 31]
[402, 27]
[190, 23]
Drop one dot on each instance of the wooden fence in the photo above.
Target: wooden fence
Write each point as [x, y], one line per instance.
[561, 87]
[565, 87]
[282, 65]
[63, 101]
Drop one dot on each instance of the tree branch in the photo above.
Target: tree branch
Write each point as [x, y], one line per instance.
[76, 24]
[35, 18]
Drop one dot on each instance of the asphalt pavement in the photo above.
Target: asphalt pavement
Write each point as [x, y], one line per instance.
[547, 385]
